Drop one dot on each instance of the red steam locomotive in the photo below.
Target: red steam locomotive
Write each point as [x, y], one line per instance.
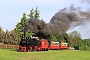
[38, 44]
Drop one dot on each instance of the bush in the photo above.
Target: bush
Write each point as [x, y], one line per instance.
[76, 47]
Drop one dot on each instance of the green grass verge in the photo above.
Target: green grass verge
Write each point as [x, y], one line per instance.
[11, 54]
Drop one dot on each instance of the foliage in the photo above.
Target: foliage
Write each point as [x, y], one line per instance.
[75, 38]
[34, 13]
[53, 37]
[31, 15]
[0, 34]
[78, 43]
[9, 37]
[61, 38]
[20, 25]
[86, 44]
[36, 16]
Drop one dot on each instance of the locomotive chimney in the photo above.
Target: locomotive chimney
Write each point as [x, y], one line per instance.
[24, 32]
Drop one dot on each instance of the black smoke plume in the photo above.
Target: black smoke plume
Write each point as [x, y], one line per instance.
[62, 21]
[88, 1]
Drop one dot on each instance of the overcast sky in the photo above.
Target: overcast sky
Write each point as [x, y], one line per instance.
[11, 11]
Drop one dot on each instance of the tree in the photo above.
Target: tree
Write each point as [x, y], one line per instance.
[20, 25]
[34, 13]
[86, 44]
[60, 38]
[76, 37]
[37, 14]
[7, 37]
[23, 20]
[0, 34]
[53, 38]
[14, 37]
[31, 15]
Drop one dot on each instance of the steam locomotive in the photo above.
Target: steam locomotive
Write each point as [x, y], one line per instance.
[36, 43]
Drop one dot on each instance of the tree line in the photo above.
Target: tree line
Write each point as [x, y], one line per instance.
[13, 37]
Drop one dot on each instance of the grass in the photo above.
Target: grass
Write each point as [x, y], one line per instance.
[12, 54]
[1, 43]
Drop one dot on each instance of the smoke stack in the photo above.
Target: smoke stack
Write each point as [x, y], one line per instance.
[24, 31]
